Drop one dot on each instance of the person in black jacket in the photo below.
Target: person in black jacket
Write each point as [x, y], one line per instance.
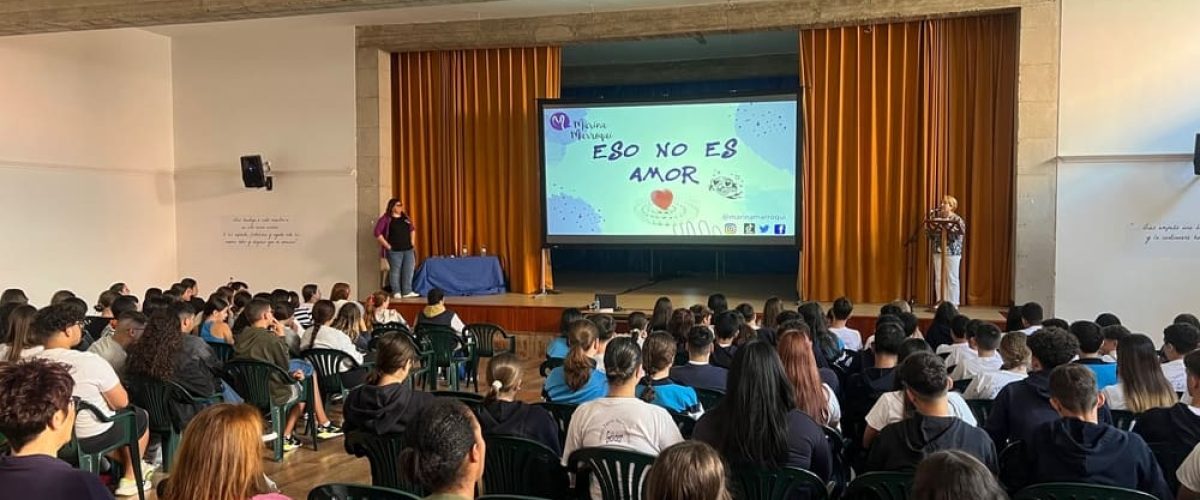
[502, 414]
[1174, 430]
[386, 404]
[726, 327]
[698, 373]
[933, 427]
[863, 389]
[1078, 448]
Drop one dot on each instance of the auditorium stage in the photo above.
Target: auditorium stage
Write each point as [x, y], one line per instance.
[635, 292]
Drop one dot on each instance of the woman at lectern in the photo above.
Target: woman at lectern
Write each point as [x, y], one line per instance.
[394, 231]
[947, 256]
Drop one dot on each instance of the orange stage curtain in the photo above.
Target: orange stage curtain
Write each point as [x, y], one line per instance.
[466, 151]
[895, 115]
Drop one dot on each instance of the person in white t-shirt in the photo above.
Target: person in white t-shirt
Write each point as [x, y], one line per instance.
[1178, 340]
[113, 348]
[1189, 476]
[893, 407]
[621, 420]
[59, 328]
[21, 343]
[1015, 357]
[984, 343]
[839, 314]
[960, 349]
[1031, 317]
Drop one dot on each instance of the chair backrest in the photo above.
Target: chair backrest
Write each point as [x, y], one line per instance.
[562, 416]
[155, 396]
[443, 340]
[341, 491]
[1123, 419]
[1170, 456]
[619, 473]
[328, 365]
[777, 484]
[252, 381]
[521, 466]
[383, 453]
[472, 400]
[1079, 491]
[485, 337]
[1012, 470]
[223, 351]
[981, 408]
[685, 423]
[880, 486]
[709, 398]
[388, 329]
[961, 385]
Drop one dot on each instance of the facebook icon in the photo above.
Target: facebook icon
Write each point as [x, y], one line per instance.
[780, 228]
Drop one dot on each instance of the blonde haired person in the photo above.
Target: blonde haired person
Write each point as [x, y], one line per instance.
[690, 470]
[379, 311]
[1015, 357]
[1141, 385]
[220, 457]
[502, 414]
[954, 249]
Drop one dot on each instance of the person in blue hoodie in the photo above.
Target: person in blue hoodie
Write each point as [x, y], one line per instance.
[1078, 448]
[1023, 406]
[657, 387]
[1090, 340]
[578, 380]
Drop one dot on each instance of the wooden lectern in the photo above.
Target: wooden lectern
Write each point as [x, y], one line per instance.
[943, 228]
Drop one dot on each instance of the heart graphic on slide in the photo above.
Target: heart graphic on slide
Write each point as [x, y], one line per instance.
[662, 198]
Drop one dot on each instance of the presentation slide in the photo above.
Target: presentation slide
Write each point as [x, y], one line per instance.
[696, 172]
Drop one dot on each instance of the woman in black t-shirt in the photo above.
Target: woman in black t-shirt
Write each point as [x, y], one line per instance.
[394, 231]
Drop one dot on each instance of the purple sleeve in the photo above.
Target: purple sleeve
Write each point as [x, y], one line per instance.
[381, 225]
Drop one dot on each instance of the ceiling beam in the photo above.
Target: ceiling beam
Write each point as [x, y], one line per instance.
[19, 17]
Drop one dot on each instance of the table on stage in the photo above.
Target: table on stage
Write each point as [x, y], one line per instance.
[460, 276]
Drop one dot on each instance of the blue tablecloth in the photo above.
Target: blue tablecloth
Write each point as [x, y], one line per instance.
[460, 276]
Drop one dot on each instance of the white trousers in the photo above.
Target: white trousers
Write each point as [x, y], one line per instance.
[952, 294]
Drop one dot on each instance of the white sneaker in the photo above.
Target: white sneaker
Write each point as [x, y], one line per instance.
[410, 295]
[128, 487]
[397, 295]
[270, 436]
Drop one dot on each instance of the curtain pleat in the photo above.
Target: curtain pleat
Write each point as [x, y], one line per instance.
[466, 157]
[896, 115]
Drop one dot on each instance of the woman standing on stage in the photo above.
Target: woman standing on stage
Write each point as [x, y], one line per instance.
[947, 287]
[394, 231]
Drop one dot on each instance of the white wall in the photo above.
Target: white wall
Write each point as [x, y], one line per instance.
[1129, 113]
[286, 92]
[85, 162]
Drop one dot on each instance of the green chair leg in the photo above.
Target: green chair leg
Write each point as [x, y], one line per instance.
[310, 409]
[277, 424]
[169, 446]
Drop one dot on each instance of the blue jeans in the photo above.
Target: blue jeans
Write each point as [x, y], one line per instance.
[400, 276]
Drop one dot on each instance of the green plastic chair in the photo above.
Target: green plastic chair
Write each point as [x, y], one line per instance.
[562, 413]
[1079, 491]
[445, 343]
[483, 337]
[343, 491]
[880, 486]
[981, 408]
[123, 419]
[252, 381]
[223, 351]
[472, 400]
[156, 396]
[709, 398]
[383, 453]
[754, 483]
[841, 466]
[327, 366]
[549, 365]
[519, 466]
[1123, 419]
[619, 473]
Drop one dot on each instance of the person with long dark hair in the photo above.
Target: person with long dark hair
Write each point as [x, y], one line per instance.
[386, 403]
[502, 414]
[1141, 385]
[939, 332]
[394, 231]
[578, 380]
[825, 343]
[662, 314]
[770, 314]
[20, 342]
[757, 423]
[717, 303]
[164, 352]
[681, 322]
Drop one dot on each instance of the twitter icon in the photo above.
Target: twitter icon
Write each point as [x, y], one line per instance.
[764, 228]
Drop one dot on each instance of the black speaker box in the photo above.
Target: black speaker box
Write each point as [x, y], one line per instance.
[253, 175]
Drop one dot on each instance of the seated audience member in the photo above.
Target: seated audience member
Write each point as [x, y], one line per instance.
[114, 348]
[220, 458]
[1178, 340]
[638, 326]
[909, 322]
[840, 313]
[717, 303]
[940, 331]
[681, 322]
[292, 331]
[341, 295]
[323, 335]
[1031, 318]
[813, 397]
[263, 340]
[952, 475]
[892, 407]
[122, 304]
[379, 311]
[701, 315]
[214, 322]
[1187, 318]
[349, 321]
[698, 373]
[657, 387]
[62, 296]
[1057, 323]
[661, 314]
[502, 414]
[747, 312]
[605, 330]
[984, 342]
[932, 427]
[1107, 319]
[97, 324]
[311, 293]
[20, 342]
[1176, 427]
[1078, 448]
[826, 345]
[757, 424]
[1090, 339]
[689, 470]
[1141, 384]
[58, 329]
[863, 389]
[386, 404]
[559, 347]
[77, 305]
[770, 314]
[14, 296]
[1015, 357]
[621, 420]
[578, 380]
[436, 313]
[36, 416]
[164, 352]
[1112, 336]
[1023, 406]
[444, 452]
[959, 349]
[726, 328]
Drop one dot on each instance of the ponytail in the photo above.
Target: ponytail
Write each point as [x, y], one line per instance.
[577, 367]
[504, 375]
[647, 388]
[322, 312]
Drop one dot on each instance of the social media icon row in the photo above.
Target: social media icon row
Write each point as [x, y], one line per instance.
[751, 228]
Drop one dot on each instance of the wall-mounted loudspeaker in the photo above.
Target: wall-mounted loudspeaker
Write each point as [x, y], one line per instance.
[1196, 157]
[255, 173]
